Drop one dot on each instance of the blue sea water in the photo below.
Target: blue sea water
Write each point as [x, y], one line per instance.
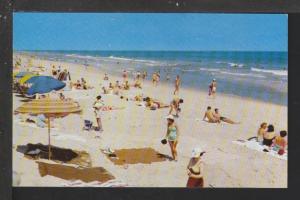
[257, 75]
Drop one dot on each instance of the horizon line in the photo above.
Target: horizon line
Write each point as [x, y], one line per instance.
[148, 50]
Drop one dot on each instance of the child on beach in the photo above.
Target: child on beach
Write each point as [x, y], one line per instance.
[98, 104]
[172, 135]
[280, 143]
[195, 169]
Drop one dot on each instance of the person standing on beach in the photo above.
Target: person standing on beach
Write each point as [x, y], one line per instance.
[213, 88]
[177, 84]
[98, 105]
[144, 75]
[172, 135]
[195, 170]
[154, 79]
[125, 74]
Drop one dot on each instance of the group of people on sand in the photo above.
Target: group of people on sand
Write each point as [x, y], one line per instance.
[81, 85]
[266, 136]
[215, 116]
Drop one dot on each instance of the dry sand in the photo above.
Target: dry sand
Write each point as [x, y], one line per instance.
[226, 164]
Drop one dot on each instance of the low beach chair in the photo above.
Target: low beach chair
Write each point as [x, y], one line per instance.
[88, 125]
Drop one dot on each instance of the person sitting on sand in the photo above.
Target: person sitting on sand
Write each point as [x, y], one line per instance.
[172, 135]
[54, 71]
[280, 143]
[195, 169]
[110, 86]
[63, 98]
[219, 118]
[137, 84]
[105, 77]
[98, 104]
[78, 85]
[209, 115]
[174, 106]
[261, 131]
[269, 136]
[126, 85]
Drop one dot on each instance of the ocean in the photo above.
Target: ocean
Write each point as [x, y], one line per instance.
[257, 75]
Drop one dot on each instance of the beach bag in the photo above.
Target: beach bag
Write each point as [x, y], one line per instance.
[87, 125]
[163, 141]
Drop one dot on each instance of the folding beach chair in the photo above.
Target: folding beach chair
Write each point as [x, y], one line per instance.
[88, 125]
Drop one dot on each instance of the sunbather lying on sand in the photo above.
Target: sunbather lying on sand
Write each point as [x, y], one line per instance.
[209, 116]
[153, 104]
[106, 90]
[138, 98]
[217, 116]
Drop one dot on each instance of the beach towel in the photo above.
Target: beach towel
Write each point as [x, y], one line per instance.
[254, 145]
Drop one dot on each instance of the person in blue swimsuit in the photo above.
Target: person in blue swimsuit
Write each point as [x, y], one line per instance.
[172, 135]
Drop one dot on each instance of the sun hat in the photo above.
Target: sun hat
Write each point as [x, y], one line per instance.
[196, 152]
[170, 117]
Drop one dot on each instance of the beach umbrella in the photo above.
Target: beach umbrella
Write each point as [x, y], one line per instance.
[44, 84]
[50, 108]
[21, 74]
[25, 78]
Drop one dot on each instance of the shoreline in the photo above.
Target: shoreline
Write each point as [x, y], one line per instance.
[164, 83]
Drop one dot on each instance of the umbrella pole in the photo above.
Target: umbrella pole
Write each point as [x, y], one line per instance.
[49, 142]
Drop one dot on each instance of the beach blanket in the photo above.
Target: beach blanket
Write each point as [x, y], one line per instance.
[110, 183]
[254, 145]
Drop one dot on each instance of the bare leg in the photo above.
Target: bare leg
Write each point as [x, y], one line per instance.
[171, 143]
[229, 121]
[99, 123]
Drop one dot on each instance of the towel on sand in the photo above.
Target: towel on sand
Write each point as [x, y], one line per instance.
[254, 145]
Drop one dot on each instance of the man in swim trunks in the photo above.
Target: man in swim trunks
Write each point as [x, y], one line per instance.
[209, 115]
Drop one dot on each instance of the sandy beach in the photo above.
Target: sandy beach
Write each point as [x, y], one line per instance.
[226, 164]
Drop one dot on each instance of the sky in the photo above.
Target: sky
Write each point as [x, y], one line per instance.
[146, 31]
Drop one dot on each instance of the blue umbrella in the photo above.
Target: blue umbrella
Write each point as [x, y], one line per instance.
[44, 84]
